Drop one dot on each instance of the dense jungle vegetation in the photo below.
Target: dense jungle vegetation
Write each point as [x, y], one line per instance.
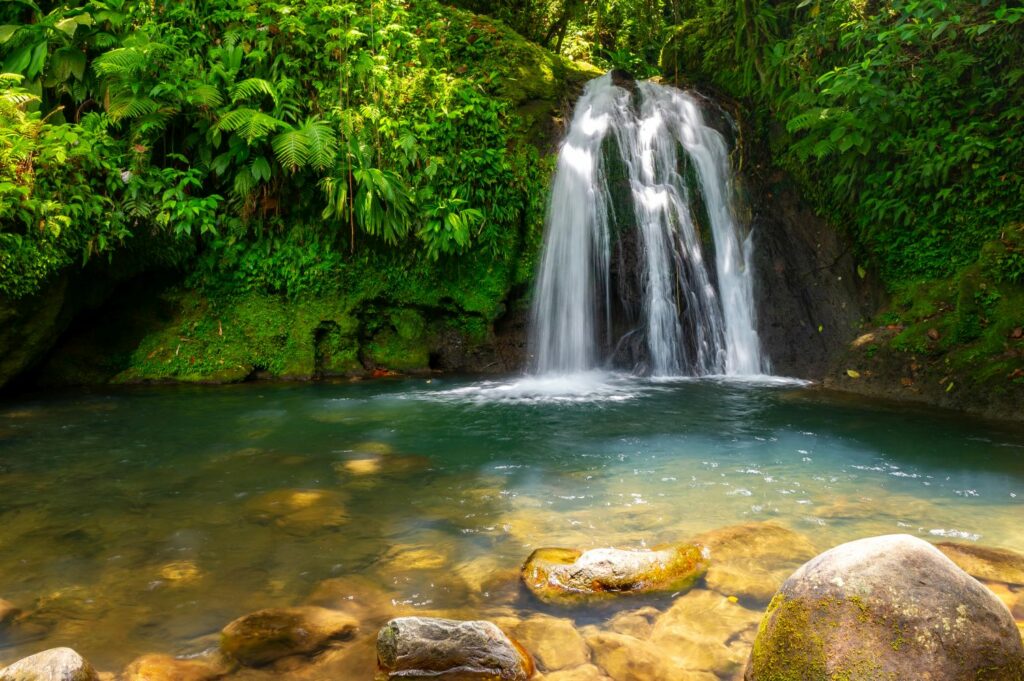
[390, 151]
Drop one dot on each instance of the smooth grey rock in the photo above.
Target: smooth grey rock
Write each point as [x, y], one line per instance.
[56, 664]
[452, 650]
[886, 607]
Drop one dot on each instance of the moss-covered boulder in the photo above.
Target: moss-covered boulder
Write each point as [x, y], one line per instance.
[261, 637]
[56, 664]
[986, 562]
[449, 650]
[569, 576]
[890, 607]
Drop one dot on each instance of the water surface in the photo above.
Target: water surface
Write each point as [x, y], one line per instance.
[144, 520]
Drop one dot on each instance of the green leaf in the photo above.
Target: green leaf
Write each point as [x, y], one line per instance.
[38, 61]
[7, 31]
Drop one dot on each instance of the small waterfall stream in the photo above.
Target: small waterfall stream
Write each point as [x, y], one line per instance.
[641, 193]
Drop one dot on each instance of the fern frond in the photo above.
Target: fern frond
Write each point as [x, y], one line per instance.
[249, 123]
[323, 143]
[292, 149]
[206, 95]
[131, 106]
[251, 87]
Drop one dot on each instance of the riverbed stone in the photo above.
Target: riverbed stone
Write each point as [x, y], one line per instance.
[986, 562]
[299, 511]
[8, 611]
[447, 649]
[586, 672]
[704, 630]
[265, 635]
[156, 667]
[885, 607]
[625, 658]
[752, 560]
[569, 576]
[56, 664]
[637, 623]
[554, 642]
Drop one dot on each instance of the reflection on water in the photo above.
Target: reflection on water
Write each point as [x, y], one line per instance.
[145, 520]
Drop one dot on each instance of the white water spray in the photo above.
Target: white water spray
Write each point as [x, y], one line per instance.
[694, 320]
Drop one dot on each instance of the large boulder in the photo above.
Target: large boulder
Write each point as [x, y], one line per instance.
[885, 607]
[568, 576]
[56, 664]
[449, 650]
[265, 635]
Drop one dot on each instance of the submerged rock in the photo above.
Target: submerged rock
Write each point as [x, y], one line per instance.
[985, 562]
[569, 576]
[7, 612]
[56, 664]
[266, 635]
[754, 559]
[706, 631]
[625, 658]
[166, 668]
[885, 607]
[299, 511]
[553, 642]
[449, 649]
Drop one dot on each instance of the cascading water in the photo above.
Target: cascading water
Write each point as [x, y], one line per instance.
[640, 166]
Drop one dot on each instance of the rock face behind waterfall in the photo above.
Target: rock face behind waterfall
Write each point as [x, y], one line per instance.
[891, 607]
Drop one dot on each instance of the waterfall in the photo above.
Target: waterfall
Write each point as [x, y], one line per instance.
[641, 192]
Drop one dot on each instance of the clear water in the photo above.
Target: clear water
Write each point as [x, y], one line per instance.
[697, 313]
[135, 521]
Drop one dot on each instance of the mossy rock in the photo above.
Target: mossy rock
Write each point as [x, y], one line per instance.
[570, 576]
[885, 609]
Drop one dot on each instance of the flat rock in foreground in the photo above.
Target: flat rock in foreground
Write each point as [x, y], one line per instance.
[56, 664]
[449, 650]
[569, 576]
[885, 607]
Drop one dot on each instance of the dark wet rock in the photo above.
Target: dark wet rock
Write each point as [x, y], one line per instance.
[56, 664]
[985, 562]
[885, 607]
[264, 636]
[166, 668]
[451, 650]
[623, 79]
[568, 575]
